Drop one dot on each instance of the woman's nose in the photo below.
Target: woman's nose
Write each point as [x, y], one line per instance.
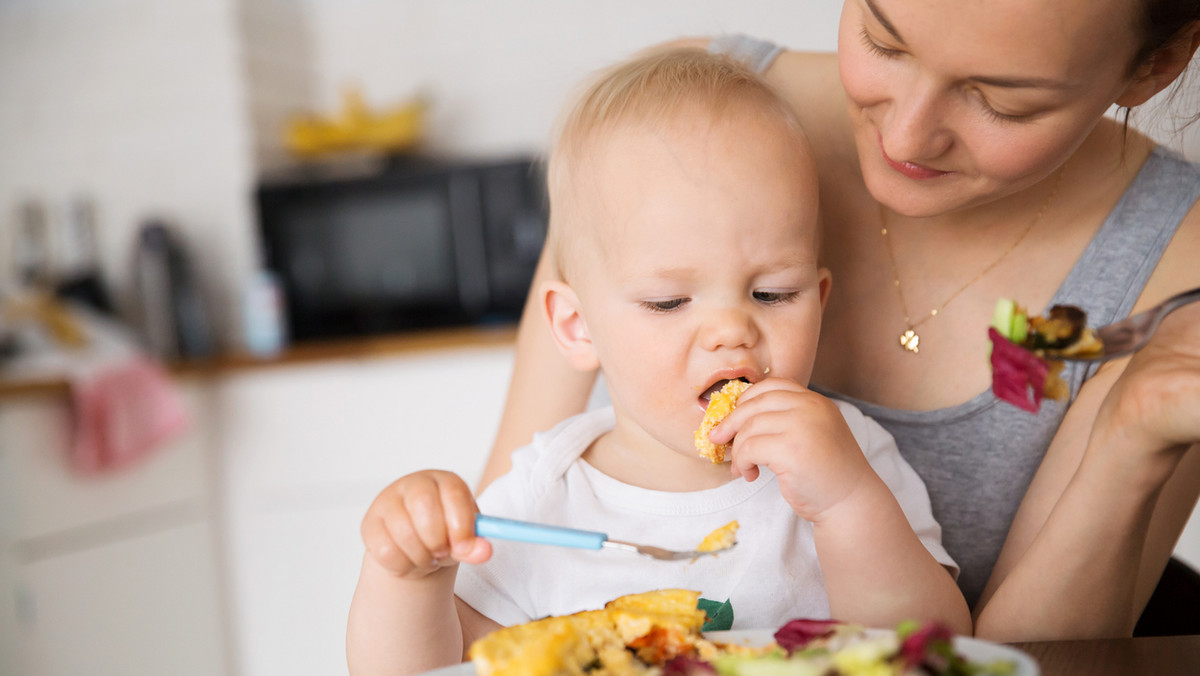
[729, 328]
[916, 128]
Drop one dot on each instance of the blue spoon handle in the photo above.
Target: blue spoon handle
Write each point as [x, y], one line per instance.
[537, 533]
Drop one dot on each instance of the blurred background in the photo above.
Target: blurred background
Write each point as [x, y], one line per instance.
[258, 258]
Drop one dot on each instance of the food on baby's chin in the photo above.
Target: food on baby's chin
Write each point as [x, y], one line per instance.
[658, 633]
[721, 538]
[1026, 351]
[720, 405]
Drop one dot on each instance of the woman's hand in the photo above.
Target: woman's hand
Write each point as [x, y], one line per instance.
[1154, 406]
[423, 522]
[1104, 511]
[802, 437]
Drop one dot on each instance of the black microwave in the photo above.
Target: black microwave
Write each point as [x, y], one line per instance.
[414, 245]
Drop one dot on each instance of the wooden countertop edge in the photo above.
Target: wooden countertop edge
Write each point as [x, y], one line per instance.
[368, 347]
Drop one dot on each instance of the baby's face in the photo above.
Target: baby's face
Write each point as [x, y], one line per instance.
[704, 265]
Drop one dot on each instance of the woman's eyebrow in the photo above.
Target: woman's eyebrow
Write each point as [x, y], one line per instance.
[1020, 82]
[883, 21]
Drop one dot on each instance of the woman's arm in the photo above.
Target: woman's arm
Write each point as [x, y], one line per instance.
[1116, 487]
[544, 389]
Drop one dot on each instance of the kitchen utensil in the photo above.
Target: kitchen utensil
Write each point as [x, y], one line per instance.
[543, 534]
[1129, 335]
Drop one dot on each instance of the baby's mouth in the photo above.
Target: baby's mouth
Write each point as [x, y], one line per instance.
[716, 387]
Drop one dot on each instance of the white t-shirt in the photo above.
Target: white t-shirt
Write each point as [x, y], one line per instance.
[772, 576]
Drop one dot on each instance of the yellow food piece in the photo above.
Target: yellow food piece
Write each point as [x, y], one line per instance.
[656, 626]
[719, 406]
[721, 538]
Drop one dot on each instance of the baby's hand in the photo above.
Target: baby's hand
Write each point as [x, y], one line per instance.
[802, 437]
[423, 522]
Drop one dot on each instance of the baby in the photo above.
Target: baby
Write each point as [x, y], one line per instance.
[684, 230]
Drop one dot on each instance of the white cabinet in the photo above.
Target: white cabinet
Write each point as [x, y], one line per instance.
[303, 451]
[114, 573]
[235, 549]
[145, 605]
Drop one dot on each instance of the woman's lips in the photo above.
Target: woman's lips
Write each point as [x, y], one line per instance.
[908, 169]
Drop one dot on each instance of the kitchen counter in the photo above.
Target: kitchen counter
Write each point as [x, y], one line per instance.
[366, 347]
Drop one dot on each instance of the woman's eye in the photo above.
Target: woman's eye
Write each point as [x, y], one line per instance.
[876, 48]
[664, 305]
[775, 297]
[992, 113]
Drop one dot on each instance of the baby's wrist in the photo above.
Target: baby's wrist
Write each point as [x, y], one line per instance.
[859, 501]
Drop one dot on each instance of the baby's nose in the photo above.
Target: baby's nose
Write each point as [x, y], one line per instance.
[729, 328]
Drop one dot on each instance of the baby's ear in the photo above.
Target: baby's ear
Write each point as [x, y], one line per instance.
[824, 284]
[560, 306]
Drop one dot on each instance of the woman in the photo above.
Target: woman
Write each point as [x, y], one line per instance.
[965, 157]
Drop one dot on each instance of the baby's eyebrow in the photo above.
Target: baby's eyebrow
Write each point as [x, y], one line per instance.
[673, 273]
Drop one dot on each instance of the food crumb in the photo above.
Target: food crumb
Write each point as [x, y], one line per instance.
[721, 538]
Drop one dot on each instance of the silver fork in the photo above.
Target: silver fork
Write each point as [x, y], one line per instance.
[1130, 334]
[544, 534]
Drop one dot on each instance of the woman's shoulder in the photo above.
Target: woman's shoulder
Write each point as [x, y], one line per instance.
[1176, 269]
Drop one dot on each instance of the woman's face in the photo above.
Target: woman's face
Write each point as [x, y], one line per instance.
[956, 104]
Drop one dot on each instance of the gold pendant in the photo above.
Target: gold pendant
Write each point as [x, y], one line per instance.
[910, 341]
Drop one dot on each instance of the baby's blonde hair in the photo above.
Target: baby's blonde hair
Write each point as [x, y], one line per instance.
[649, 90]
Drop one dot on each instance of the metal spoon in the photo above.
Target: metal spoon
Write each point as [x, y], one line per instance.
[543, 534]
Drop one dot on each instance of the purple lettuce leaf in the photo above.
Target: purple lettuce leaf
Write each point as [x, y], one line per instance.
[687, 666]
[916, 646]
[798, 633]
[1018, 375]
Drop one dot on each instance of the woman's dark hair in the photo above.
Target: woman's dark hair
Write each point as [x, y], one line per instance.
[1163, 21]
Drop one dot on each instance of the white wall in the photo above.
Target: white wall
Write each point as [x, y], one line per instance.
[499, 71]
[137, 104]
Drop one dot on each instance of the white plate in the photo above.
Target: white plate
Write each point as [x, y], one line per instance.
[976, 650]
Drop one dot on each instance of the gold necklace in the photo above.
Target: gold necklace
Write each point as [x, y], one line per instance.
[909, 339]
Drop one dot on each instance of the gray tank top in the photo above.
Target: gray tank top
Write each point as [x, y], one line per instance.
[975, 487]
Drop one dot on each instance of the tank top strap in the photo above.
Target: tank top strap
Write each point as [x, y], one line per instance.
[1114, 268]
[1110, 275]
[756, 53]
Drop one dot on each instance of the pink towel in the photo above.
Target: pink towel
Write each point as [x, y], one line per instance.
[123, 411]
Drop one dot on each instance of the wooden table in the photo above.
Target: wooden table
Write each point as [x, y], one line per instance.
[1148, 656]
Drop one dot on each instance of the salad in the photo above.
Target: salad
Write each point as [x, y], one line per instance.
[829, 648]
[1027, 352]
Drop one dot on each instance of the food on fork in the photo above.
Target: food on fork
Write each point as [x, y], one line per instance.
[721, 538]
[1027, 351]
[720, 405]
